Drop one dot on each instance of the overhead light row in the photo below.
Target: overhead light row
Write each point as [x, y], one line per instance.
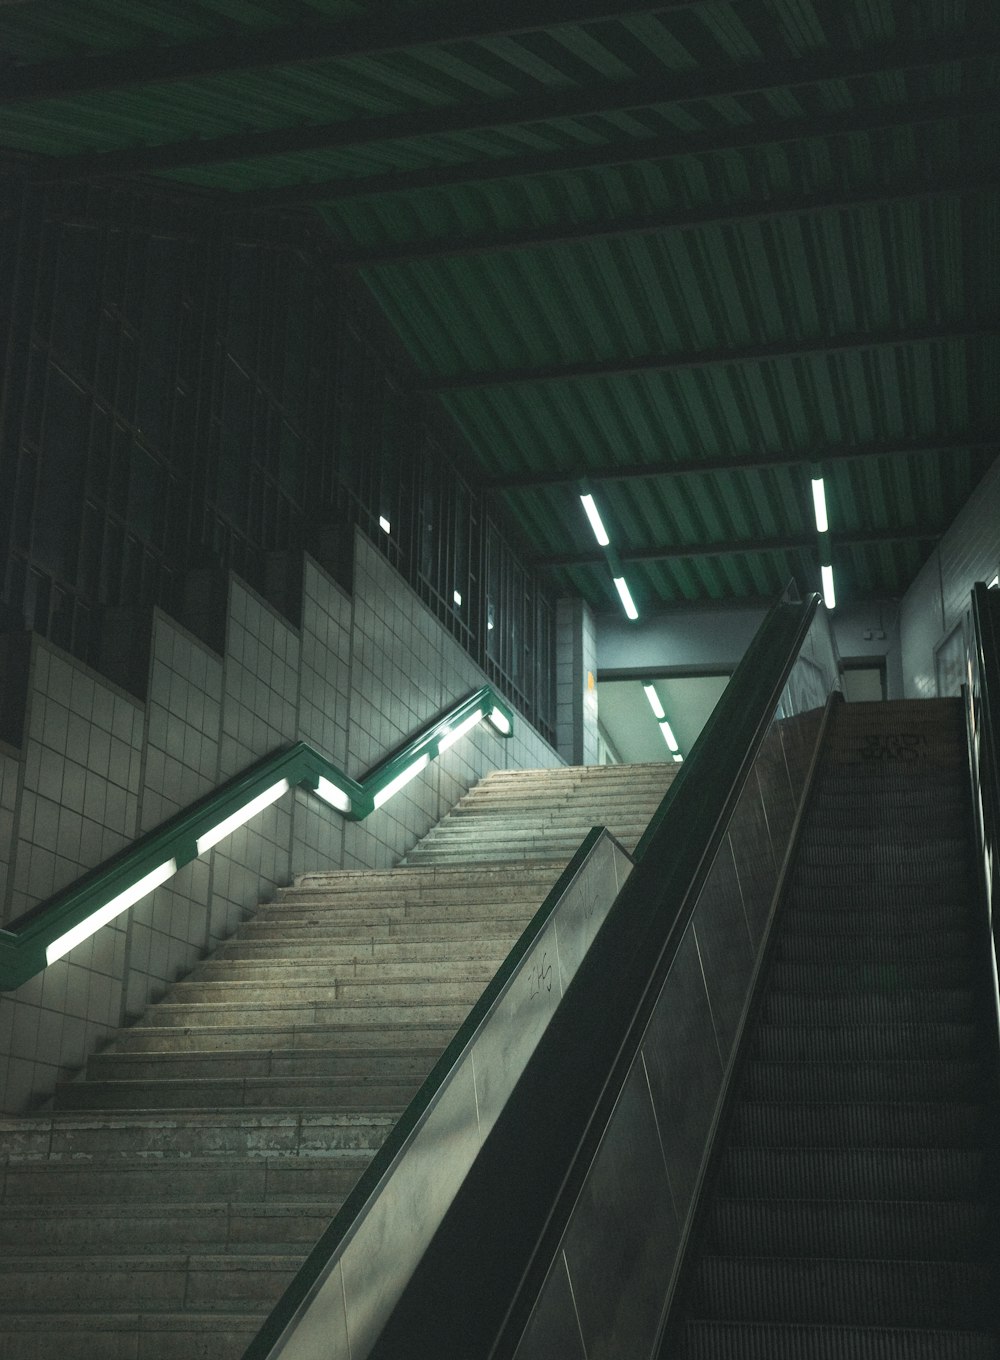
[661, 718]
[604, 541]
[823, 529]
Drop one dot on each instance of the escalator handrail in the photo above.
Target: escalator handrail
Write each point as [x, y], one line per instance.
[474, 1289]
[985, 612]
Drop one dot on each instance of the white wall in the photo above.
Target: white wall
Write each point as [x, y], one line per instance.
[968, 552]
[96, 766]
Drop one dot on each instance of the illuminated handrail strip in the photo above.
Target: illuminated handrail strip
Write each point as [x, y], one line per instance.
[51, 929]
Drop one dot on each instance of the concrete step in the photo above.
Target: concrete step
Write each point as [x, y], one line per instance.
[386, 1064]
[304, 928]
[236, 1179]
[203, 1225]
[243, 1034]
[326, 992]
[167, 1281]
[361, 1012]
[350, 1093]
[308, 970]
[375, 950]
[69, 1136]
[195, 1335]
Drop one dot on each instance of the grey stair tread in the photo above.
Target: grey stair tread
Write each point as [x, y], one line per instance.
[861, 1124]
[915, 1079]
[865, 1173]
[833, 1043]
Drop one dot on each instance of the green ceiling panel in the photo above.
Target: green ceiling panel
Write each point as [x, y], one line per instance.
[793, 206]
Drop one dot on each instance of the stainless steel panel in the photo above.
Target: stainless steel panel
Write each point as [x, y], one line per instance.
[750, 842]
[389, 1241]
[553, 1331]
[722, 933]
[623, 1237]
[322, 1331]
[684, 1068]
[583, 909]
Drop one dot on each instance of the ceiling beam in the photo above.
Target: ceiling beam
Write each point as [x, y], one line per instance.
[598, 97]
[733, 547]
[528, 481]
[687, 360]
[625, 151]
[957, 182]
[384, 29]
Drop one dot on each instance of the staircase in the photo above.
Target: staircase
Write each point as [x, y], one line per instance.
[161, 1207]
[854, 1209]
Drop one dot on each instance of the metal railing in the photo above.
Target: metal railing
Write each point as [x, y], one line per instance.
[53, 928]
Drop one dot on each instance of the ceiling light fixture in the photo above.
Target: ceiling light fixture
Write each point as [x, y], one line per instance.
[654, 701]
[596, 523]
[829, 595]
[626, 597]
[668, 735]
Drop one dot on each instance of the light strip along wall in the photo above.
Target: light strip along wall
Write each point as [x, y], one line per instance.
[51, 929]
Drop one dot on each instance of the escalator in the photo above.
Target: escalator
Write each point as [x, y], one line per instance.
[763, 1120]
[853, 1208]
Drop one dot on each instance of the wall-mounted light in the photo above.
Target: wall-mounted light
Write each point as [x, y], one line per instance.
[333, 795]
[596, 523]
[242, 815]
[384, 524]
[626, 597]
[110, 910]
[455, 733]
[500, 721]
[819, 505]
[401, 780]
[654, 701]
[829, 595]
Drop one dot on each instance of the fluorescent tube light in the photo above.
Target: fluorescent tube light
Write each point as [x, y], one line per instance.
[242, 815]
[333, 795]
[401, 780]
[456, 733]
[668, 736]
[626, 597]
[596, 523]
[819, 505]
[654, 701]
[500, 721]
[678, 758]
[457, 597]
[384, 524]
[110, 910]
[829, 597]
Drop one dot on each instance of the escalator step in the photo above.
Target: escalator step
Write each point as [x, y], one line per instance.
[931, 945]
[841, 1043]
[890, 1173]
[870, 975]
[795, 1341]
[945, 906]
[896, 1230]
[826, 1290]
[941, 1125]
[955, 1005]
[928, 1080]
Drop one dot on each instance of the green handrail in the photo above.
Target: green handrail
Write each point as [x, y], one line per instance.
[52, 928]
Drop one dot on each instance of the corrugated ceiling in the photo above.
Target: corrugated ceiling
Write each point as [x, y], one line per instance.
[693, 252]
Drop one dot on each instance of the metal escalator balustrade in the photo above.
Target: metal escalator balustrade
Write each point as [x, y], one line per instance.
[567, 1230]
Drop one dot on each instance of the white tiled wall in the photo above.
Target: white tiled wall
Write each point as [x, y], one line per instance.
[968, 552]
[97, 767]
